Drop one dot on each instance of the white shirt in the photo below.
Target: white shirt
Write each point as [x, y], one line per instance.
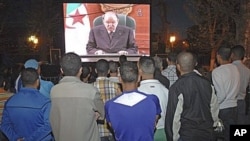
[153, 86]
[244, 79]
[226, 80]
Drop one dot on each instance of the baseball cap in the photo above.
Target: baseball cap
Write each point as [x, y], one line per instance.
[31, 63]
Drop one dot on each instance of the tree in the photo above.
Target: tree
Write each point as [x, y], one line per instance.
[159, 19]
[11, 25]
[23, 18]
[44, 18]
[217, 22]
[246, 30]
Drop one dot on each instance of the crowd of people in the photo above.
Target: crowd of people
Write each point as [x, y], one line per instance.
[130, 101]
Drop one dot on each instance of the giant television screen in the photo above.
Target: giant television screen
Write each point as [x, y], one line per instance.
[81, 21]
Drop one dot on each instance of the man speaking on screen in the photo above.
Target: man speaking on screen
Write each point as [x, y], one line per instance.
[111, 37]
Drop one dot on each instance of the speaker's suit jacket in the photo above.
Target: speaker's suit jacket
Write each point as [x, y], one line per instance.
[122, 39]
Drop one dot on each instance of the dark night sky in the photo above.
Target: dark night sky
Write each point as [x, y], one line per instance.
[177, 17]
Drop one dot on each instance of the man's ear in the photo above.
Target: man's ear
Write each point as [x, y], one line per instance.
[178, 67]
[37, 83]
[218, 57]
[139, 78]
[103, 18]
[232, 56]
[61, 70]
[120, 79]
[139, 70]
[79, 72]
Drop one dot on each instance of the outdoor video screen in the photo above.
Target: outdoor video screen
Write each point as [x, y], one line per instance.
[86, 33]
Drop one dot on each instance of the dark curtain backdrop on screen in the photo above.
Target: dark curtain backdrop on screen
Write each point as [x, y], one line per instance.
[78, 21]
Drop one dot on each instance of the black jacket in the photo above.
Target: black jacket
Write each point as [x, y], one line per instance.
[189, 112]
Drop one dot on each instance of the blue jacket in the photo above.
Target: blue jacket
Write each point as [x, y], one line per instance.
[26, 115]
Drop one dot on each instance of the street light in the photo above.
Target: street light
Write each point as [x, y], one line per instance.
[33, 39]
[172, 40]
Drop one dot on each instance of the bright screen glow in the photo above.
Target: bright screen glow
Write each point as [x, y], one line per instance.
[79, 20]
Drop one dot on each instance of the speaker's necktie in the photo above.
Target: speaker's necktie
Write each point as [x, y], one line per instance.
[111, 35]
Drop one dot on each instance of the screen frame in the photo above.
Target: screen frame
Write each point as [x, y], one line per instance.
[134, 57]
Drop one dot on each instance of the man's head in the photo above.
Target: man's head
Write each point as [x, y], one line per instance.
[32, 63]
[185, 62]
[110, 20]
[146, 65]
[238, 52]
[223, 54]
[171, 58]
[122, 59]
[30, 77]
[129, 72]
[102, 67]
[71, 65]
[158, 62]
[85, 72]
[113, 67]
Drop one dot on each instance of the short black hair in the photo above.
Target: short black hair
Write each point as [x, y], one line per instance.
[102, 67]
[129, 72]
[224, 52]
[239, 51]
[113, 66]
[186, 61]
[122, 59]
[85, 71]
[147, 64]
[29, 76]
[172, 56]
[158, 62]
[71, 64]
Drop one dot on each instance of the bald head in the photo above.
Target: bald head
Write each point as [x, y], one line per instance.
[110, 20]
[185, 62]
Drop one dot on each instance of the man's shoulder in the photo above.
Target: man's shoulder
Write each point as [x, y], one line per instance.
[103, 82]
[33, 97]
[151, 83]
[45, 82]
[130, 98]
[221, 69]
[75, 86]
[114, 79]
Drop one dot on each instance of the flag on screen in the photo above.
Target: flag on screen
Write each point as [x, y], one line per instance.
[77, 27]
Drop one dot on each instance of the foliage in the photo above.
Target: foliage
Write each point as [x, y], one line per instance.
[44, 16]
[23, 18]
[217, 22]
